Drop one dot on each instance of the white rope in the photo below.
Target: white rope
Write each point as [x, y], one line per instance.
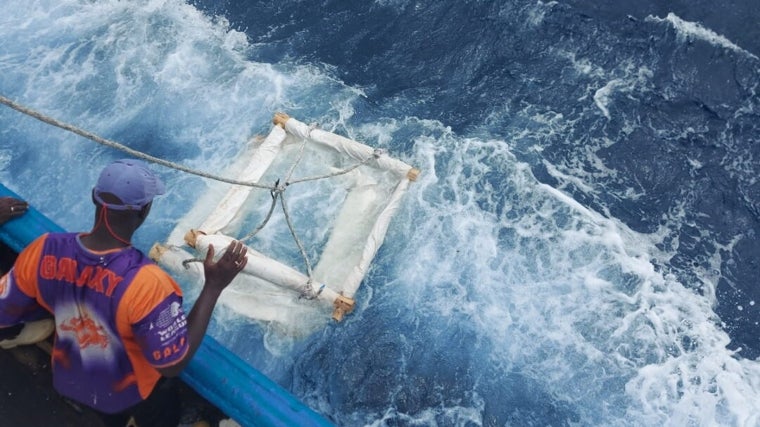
[121, 147]
[376, 154]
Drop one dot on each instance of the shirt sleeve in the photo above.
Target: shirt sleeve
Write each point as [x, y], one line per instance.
[157, 318]
[18, 288]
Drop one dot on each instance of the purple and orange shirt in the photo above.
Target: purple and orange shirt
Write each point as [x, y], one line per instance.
[118, 317]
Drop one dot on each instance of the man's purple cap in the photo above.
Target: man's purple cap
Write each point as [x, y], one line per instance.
[131, 181]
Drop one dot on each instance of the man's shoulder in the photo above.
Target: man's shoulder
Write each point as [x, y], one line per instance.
[152, 276]
[56, 237]
[154, 270]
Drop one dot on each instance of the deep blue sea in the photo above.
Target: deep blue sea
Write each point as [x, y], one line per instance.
[581, 248]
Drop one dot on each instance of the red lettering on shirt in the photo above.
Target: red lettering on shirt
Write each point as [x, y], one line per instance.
[84, 276]
[47, 267]
[66, 270]
[113, 281]
[96, 278]
[96, 282]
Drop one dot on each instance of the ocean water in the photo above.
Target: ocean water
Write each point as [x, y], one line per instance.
[581, 248]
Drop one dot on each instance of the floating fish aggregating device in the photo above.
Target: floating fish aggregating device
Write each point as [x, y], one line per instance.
[364, 186]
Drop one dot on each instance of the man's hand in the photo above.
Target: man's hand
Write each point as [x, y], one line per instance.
[11, 208]
[219, 274]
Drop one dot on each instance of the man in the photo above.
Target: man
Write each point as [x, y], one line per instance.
[120, 328]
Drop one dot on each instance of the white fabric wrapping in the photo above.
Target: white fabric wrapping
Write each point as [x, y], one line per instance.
[350, 283]
[260, 161]
[264, 267]
[347, 147]
[359, 232]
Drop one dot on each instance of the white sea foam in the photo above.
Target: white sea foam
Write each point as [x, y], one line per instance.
[572, 298]
[693, 30]
[627, 85]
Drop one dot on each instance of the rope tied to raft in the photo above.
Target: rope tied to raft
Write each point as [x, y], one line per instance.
[277, 190]
[308, 292]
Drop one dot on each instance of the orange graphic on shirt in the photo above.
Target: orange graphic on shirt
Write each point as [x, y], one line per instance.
[87, 331]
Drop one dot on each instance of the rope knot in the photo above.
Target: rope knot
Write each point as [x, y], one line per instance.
[278, 189]
[308, 292]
